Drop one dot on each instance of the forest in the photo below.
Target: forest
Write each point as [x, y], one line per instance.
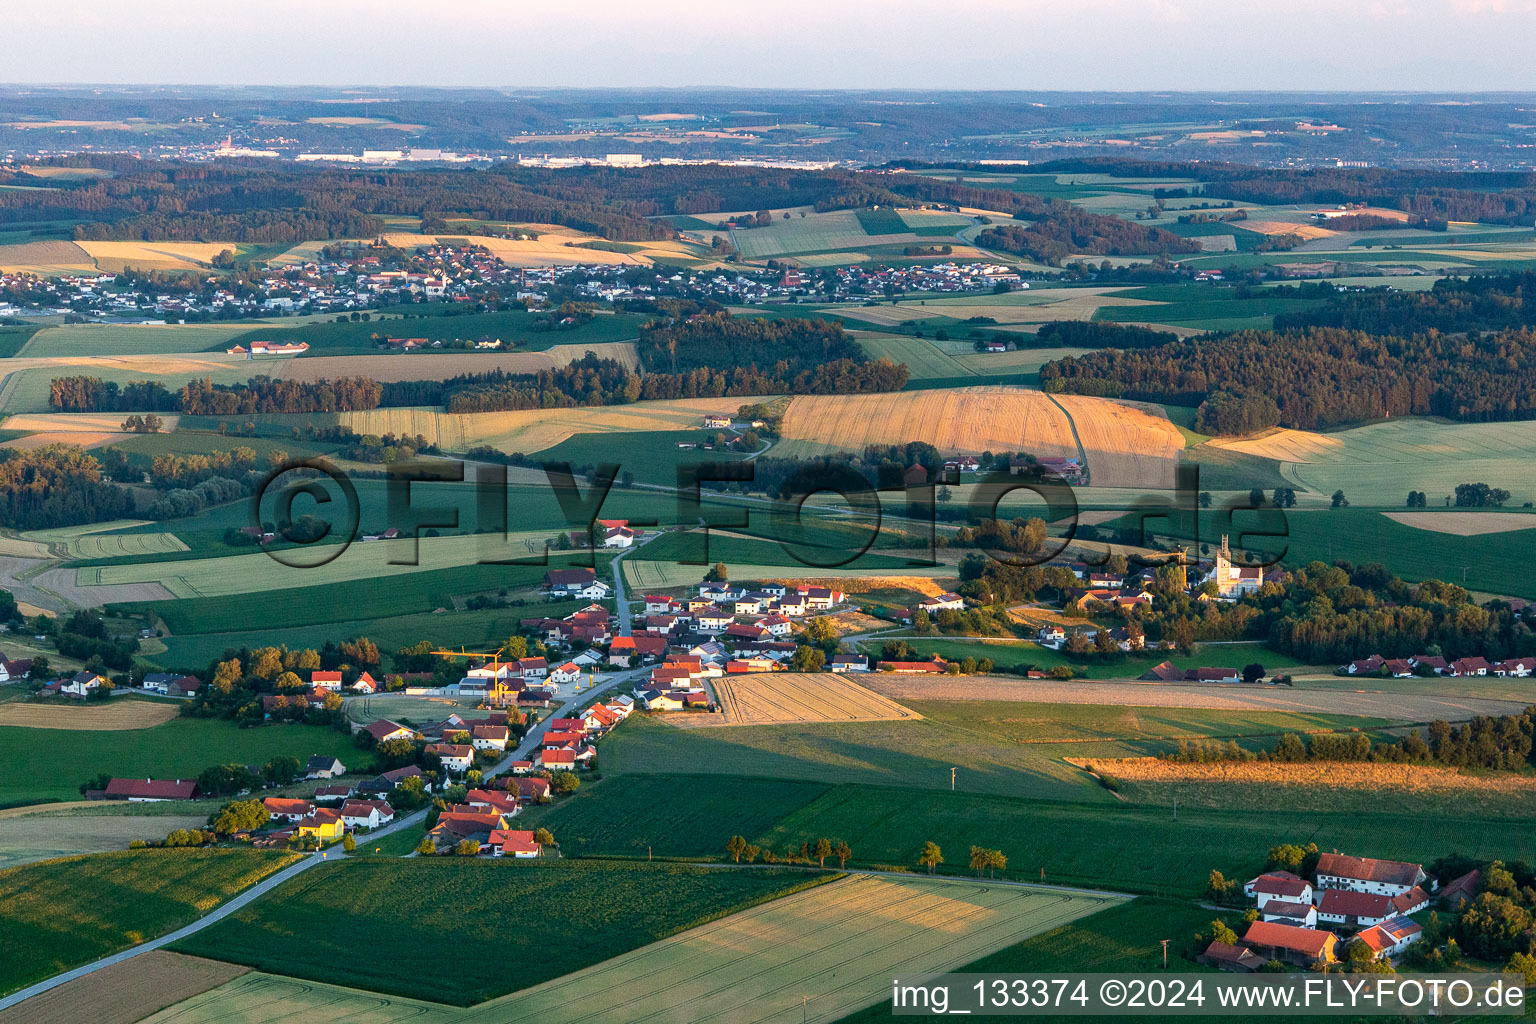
[1319, 377]
[1484, 302]
[1061, 230]
[56, 485]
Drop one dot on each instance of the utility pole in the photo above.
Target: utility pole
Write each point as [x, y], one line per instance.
[1175, 808]
[1165, 954]
[952, 779]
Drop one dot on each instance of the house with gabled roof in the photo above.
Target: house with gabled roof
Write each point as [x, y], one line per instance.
[151, 790]
[1238, 959]
[1288, 943]
[323, 766]
[1391, 937]
[1366, 874]
[508, 842]
[383, 730]
[366, 813]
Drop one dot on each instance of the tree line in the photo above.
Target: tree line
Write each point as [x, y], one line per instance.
[1484, 302]
[1319, 377]
[57, 485]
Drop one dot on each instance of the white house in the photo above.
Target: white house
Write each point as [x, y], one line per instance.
[1291, 912]
[366, 813]
[569, 672]
[1392, 936]
[456, 757]
[490, 737]
[324, 767]
[326, 681]
[1364, 874]
[1278, 885]
[1354, 909]
[83, 684]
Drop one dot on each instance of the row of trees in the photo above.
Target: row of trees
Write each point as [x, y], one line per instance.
[1318, 377]
[738, 849]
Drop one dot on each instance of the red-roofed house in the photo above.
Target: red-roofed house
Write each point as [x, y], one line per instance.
[384, 730]
[366, 813]
[151, 790]
[1353, 909]
[1303, 946]
[288, 810]
[510, 842]
[1364, 874]
[326, 681]
[558, 759]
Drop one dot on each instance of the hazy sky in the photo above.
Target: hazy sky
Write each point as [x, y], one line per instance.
[977, 44]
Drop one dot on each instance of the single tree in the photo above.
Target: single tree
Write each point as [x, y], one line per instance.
[736, 846]
[931, 856]
[843, 852]
[822, 851]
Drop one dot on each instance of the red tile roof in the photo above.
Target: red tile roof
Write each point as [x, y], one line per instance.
[155, 789]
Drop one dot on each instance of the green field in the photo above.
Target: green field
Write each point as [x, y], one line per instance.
[14, 338]
[1125, 938]
[1130, 848]
[1008, 748]
[49, 764]
[642, 815]
[27, 390]
[63, 913]
[1379, 464]
[653, 456]
[1028, 654]
[234, 630]
[924, 360]
[133, 339]
[806, 549]
[1204, 307]
[527, 923]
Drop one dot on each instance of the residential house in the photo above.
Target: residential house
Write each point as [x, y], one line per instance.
[366, 813]
[383, 784]
[1391, 937]
[658, 700]
[384, 730]
[1281, 885]
[621, 651]
[333, 794]
[324, 825]
[1302, 915]
[574, 583]
[1396, 668]
[324, 767]
[326, 681]
[83, 683]
[569, 672]
[1516, 667]
[508, 842]
[488, 800]
[850, 663]
[935, 667]
[456, 757]
[366, 684]
[490, 737]
[530, 788]
[1469, 667]
[1365, 874]
[1353, 909]
[455, 825]
[656, 604]
[1429, 662]
[286, 809]
[713, 621]
[821, 598]
[532, 668]
[556, 760]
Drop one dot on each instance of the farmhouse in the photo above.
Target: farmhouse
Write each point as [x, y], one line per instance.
[571, 583]
[1353, 909]
[1364, 874]
[83, 683]
[1302, 915]
[1278, 885]
[850, 663]
[166, 683]
[326, 681]
[285, 809]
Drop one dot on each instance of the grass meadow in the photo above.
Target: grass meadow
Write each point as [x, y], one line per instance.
[49, 764]
[528, 923]
[63, 913]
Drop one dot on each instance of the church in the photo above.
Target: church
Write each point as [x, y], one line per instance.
[1233, 581]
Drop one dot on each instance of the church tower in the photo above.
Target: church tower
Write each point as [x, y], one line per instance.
[1223, 571]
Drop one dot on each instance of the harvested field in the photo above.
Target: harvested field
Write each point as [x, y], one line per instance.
[1383, 704]
[117, 716]
[1282, 444]
[1125, 445]
[126, 992]
[45, 836]
[124, 545]
[82, 439]
[434, 366]
[45, 258]
[78, 422]
[67, 584]
[1312, 774]
[21, 547]
[835, 946]
[114, 257]
[1287, 227]
[778, 698]
[661, 575]
[554, 245]
[1466, 524]
[850, 623]
[535, 429]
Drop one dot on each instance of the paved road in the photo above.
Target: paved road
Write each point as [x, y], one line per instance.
[530, 743]
[620, 599]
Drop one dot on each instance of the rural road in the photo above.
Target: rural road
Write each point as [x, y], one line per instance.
[530, 743]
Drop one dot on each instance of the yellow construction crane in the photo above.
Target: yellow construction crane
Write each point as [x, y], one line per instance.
[498, 693]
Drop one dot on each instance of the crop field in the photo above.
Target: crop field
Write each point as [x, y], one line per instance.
[1016, 654]
[555, 244]
[131, 339]
[31, 769]
[46, 836]
[534, 430]
[1204, 308]
[115, 257]
[653, 456]
[116, 716]
[124, 545]
[226, 575]
[814, 955]
[1380, 463]
[1465, 524]
[829, 232]
[25, 388]
[1410, 788]
[639, 815]
[922, 357]
[1125, 445]
[1126, 846]
[1370, 705]
[789, 697]
[1126, 937]
[586, 912]
[440, 366]
[127, 992]
[1000, 747]
[63, 913]
[518, 331]
[46, 259]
